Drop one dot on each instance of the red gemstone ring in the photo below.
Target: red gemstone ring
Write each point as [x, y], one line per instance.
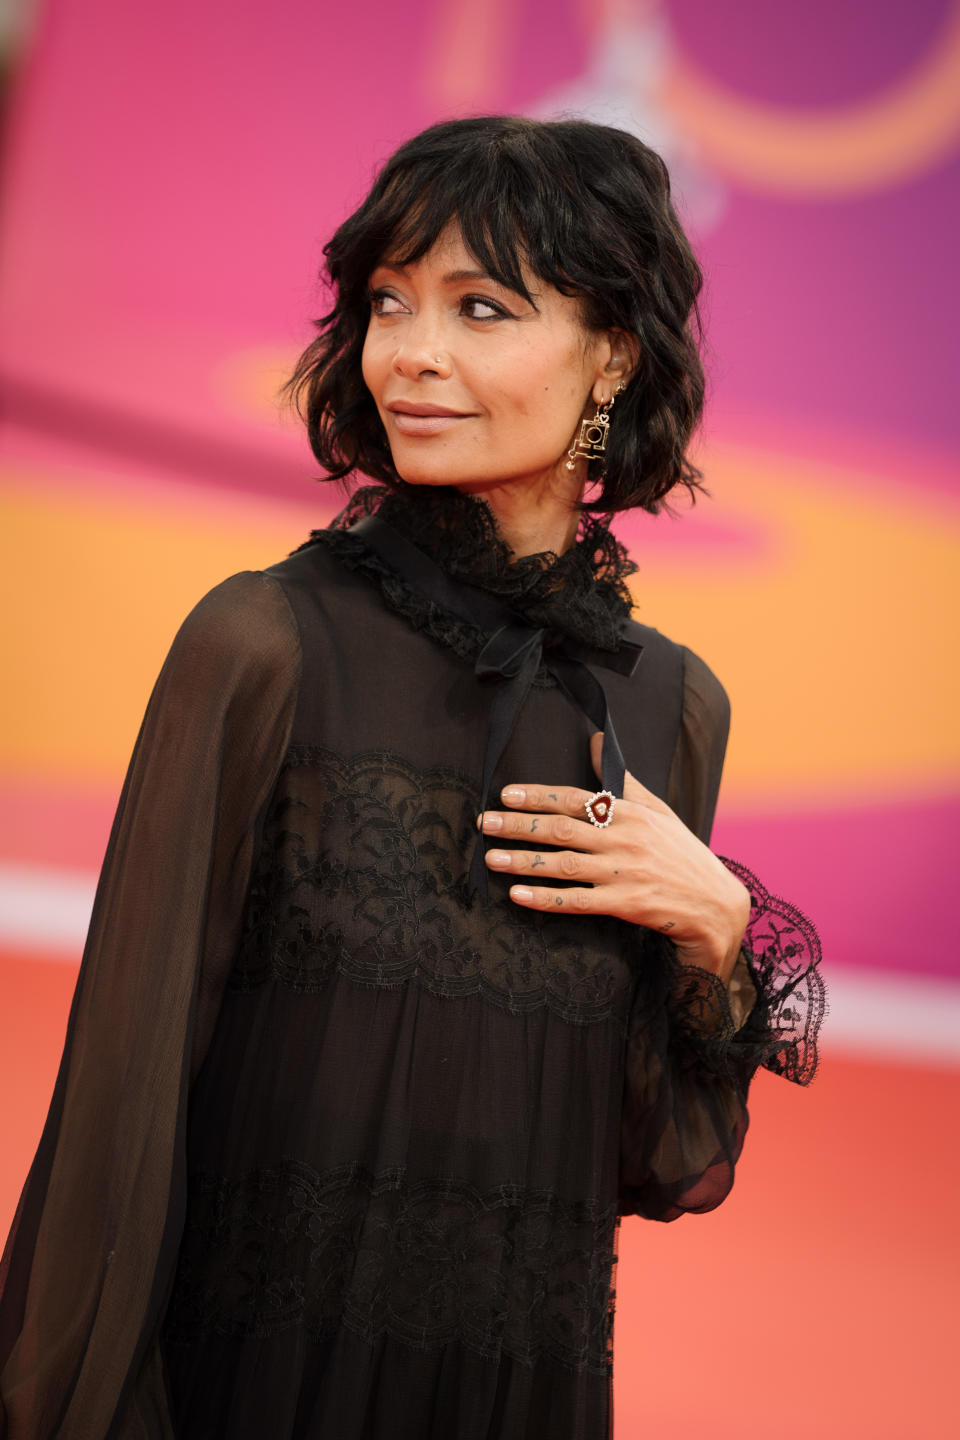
[599, 808]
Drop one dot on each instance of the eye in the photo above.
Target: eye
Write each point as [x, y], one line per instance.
[474, 304]
[383, 303]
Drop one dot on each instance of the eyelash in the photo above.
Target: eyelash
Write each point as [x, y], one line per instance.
[500, 313]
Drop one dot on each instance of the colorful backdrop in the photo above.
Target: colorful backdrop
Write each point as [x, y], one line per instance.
[170, 174]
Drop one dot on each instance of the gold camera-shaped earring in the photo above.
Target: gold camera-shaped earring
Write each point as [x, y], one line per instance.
[591, 441]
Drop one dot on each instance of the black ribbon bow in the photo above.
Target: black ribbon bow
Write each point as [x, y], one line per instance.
[513, 653]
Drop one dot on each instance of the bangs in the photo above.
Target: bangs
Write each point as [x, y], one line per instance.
[492, 234]
[507, 215]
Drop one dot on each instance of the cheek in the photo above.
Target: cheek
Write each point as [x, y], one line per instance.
[551, 371]
[376, 362]
[549, 389]
[368, 363]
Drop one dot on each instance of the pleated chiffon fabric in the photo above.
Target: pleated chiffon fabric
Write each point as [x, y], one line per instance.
[336, 1150]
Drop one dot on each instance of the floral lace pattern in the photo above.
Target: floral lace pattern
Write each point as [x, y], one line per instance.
[784, 954]
[504, 1271]
[780, 962]
[581, 594]
[362, 871]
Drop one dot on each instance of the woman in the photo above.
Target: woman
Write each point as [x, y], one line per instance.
[400, 990]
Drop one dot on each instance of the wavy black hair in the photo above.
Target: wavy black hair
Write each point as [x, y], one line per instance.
[588, 209]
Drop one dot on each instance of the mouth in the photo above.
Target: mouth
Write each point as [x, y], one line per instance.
[414, 417]
[418, 407]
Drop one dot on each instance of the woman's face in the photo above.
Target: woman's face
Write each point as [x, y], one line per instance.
[474, 386]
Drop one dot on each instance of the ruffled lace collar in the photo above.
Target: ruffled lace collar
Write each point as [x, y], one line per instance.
[581, 593]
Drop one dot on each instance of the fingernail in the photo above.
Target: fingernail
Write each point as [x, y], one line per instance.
[521, 892]
[499, 857]
[514, 794]
[492, 822]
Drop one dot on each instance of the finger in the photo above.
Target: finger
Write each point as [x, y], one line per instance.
[541, 897]
[632, 788]
[552, 799]
[562, 830]
[553, 865]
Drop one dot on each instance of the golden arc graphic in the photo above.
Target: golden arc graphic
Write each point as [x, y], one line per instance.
[908, 127]
[866, 145]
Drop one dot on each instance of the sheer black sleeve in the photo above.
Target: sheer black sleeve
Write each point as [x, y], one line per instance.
[90, 1256]
[693, 1043]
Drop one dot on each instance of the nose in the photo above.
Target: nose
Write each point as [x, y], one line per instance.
[413, 365]
[421, 353]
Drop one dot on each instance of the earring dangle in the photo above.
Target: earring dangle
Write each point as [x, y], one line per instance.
[591, 441]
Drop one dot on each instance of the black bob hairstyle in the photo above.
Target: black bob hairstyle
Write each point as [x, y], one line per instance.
[587, 208]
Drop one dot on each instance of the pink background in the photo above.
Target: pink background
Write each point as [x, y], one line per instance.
[171, 173]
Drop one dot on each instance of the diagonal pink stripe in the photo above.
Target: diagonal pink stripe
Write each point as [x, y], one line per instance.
[871, 879]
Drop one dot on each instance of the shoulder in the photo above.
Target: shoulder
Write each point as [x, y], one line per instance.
[700, 744]
[318, 562]
[245, 622]
[705, 701]
[335, 592]
[702, 690]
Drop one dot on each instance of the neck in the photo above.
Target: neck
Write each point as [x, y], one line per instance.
[532, 517]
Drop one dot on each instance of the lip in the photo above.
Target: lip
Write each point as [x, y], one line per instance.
[417, 407]
[414, 417]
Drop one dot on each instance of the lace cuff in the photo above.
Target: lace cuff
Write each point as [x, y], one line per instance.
[704, 1006]
[771, 1011]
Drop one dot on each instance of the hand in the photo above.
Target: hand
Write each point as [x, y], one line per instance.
[646, 866]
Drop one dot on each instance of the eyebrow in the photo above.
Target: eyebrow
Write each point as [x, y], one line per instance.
[453, 277]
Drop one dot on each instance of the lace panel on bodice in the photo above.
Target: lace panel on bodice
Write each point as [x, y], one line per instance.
[362, 871]
[506, 1270]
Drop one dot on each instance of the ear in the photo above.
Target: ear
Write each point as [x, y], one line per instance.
[617, 361]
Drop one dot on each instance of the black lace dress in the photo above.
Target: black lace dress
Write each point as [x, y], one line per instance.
[335, 1150]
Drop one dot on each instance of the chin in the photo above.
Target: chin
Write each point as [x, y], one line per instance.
[435, 472]
[420, 471]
